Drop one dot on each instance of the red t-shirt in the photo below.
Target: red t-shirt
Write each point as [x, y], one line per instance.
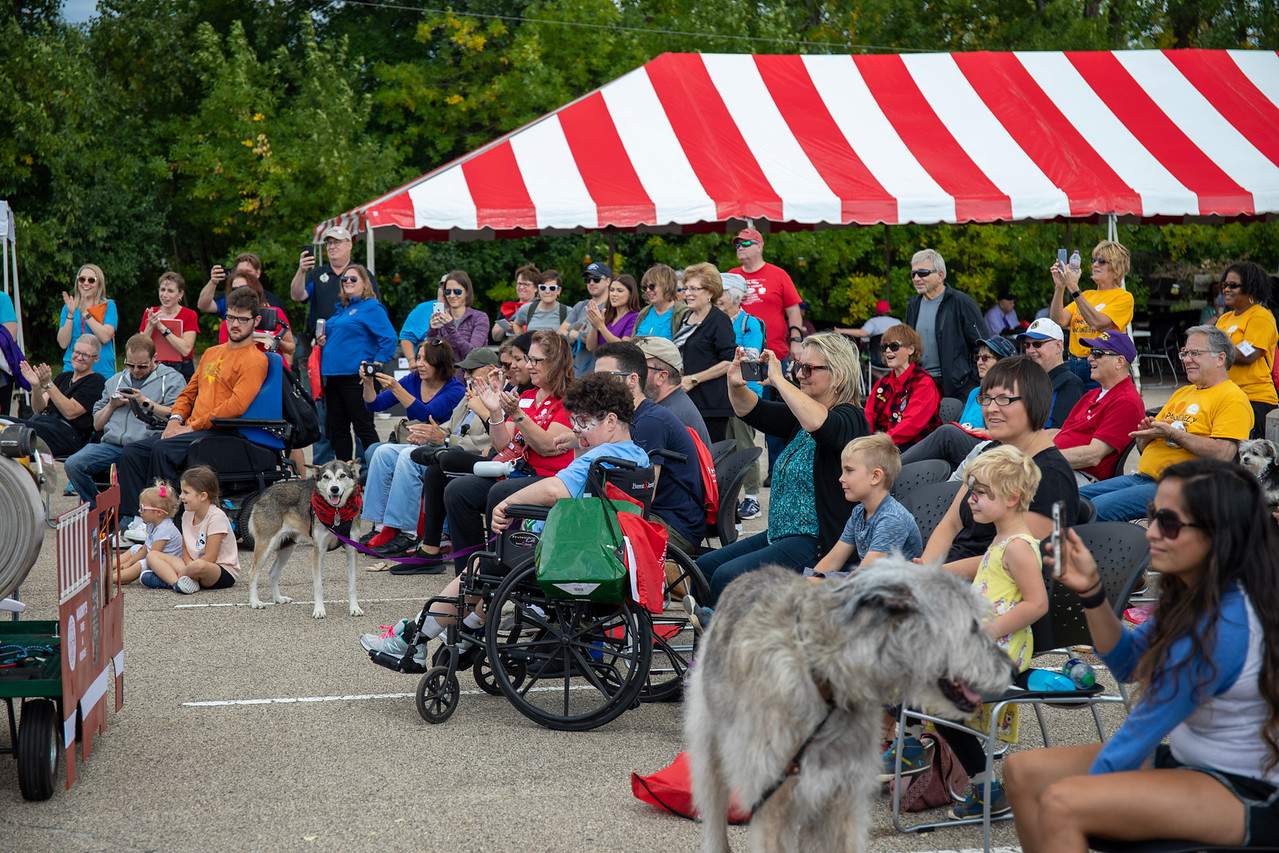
[550, 412]
[190, 323]
[1109, 419]
[770, 292]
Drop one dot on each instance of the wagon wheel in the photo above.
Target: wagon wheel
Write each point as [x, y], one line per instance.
[37, 749]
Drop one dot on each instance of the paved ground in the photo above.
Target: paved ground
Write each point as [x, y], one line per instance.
[255, 730]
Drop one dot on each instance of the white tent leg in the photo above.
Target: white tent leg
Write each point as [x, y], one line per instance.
[368, 241]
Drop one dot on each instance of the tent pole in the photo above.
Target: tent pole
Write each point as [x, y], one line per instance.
[612, 249]
[368, 240]
[888, 264]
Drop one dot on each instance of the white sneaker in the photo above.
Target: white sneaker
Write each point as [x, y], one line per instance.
[187, 585]
[136, 533]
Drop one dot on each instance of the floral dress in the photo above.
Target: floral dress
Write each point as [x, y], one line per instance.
[997, 587]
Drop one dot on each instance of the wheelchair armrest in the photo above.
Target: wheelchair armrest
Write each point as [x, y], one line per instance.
[527, 511]
[257, 423]
[671, 455]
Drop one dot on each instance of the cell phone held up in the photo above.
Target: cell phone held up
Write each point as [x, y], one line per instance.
[372, 368]
[754, 371]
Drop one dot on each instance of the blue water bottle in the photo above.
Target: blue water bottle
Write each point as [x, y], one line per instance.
[1080, 673]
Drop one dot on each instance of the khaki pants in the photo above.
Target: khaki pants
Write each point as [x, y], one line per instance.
[745, 437]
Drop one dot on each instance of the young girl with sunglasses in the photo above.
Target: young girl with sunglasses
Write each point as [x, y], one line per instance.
[1208, 665]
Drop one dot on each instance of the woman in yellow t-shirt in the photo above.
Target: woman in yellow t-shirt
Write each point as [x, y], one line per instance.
[1091, 311]
[1251, 328]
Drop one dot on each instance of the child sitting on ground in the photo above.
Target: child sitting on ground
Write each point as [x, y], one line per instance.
[209, 558]
[878, 524]
[156, 506]
[1001, 483]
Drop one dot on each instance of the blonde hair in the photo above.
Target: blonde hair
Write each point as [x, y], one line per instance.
[161, 496]
[708, 275]
[101, 294]
[877, 451]
[1008, 472]
[1115, 254]
[844, 363]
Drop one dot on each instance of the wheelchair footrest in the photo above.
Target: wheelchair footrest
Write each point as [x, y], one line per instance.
[404, 664]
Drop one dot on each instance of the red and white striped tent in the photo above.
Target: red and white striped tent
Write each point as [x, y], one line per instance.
[703, 141]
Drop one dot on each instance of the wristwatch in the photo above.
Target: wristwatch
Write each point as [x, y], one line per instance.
[46, 386]
[695, 380]
[176, 417]
[166, 331]
[1076, 294]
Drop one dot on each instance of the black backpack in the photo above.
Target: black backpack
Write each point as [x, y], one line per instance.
[300, 412]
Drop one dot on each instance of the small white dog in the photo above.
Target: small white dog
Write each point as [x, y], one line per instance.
[1261, 457]
[785, 704]
[285, 513]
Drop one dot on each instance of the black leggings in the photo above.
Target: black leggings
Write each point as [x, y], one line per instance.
[967, 748]
[347, 412]
[1259, 412]
[436, 478]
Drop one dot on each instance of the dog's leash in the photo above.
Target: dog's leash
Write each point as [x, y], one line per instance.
[793, 768]
[412, 561]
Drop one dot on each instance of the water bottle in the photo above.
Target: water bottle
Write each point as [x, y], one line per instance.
[1075, 261]
[489, 468]
[1080, 673]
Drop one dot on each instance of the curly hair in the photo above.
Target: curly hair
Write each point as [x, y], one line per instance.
[1253, 281]
[598, 394]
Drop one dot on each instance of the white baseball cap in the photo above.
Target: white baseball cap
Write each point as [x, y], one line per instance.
[1043, 329]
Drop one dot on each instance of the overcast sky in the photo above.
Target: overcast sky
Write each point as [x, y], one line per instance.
[79, 11]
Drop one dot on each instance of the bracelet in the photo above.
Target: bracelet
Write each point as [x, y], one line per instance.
[496, 423]
[1097, 599]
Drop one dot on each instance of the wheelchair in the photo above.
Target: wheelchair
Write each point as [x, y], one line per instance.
[566, 664]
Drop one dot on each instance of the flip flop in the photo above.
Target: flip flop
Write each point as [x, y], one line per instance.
[377, 567]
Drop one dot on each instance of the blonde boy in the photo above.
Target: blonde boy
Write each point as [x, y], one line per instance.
[879, 524]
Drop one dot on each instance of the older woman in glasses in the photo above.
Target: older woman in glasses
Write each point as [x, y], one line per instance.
[905, 403]
[89, 312]
[1017, 397]
[1206, 662]
[1107, 308]
[807, 509]
[706, 341]
[1251, 328]
[661, 316]
[455, 320]
[358, 336]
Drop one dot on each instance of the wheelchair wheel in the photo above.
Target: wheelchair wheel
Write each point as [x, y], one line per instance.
[568, 665]
[483, 670]
[242, 520]
[674, 639]
[437, 695]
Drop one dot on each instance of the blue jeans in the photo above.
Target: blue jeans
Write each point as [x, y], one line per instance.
[87, 461]
[393, 492]
[725, 565]
[1121, 498]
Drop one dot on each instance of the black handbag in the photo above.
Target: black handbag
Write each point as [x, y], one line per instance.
[300, 412]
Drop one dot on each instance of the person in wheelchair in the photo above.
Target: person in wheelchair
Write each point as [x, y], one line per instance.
[601, 408]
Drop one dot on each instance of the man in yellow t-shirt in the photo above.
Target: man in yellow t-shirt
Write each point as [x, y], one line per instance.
[1251, 328]
[1207, 419]
[1085, 313]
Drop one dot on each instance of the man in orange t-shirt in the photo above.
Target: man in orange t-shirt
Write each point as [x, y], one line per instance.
[228, 378]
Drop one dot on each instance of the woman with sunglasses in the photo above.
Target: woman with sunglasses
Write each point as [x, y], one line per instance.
[358, 333]
[706, 342]
[617, 321]
[661, 316]
[546, 312]
[455, 320]
[1107, 308]
[89, 312]
[1017, 397]
[1207, 662]
[817, 418]
[905, 403]
[1251, 328]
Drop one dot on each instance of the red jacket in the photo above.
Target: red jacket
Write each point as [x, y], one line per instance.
[906, 407]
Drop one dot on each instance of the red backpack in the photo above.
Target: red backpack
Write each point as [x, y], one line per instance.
[710, 485]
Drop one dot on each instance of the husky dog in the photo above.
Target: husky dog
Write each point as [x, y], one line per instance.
[1261, 457]
[284, 514]
[785, 706]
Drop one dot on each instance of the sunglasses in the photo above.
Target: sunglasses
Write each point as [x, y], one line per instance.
[737, 244]
[985, 358]
[1100, 353]
[1231, 285]
[1037, 342]
[136, 366]
[1099, 262]
[1169, 523]
[804, 371]
[649, 287]
[86, 280]
[347, 278]
[592, 279]
[1001, 401]
[456, 291]
[548, 288]
[921, 273]
[893, 347]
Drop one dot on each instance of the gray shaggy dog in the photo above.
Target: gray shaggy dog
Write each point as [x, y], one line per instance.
[786, 701]
[1261, 457]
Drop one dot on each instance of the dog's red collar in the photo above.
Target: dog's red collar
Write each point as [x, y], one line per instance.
[331, 516]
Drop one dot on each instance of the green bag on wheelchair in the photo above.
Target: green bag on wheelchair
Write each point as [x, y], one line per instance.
[581, 554]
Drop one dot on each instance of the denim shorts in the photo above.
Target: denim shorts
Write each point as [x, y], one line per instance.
[1260, 799]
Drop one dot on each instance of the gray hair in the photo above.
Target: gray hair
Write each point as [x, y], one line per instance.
[932, 257]
[89, 338]
[1218, 341]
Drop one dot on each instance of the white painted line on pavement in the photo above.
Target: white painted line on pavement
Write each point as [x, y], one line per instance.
[294, 602]
[294, 700]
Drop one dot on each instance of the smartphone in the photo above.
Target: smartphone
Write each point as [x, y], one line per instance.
[307, 250]
[1056, 539]
[1063, 258]
[440, 307]
[754, 371]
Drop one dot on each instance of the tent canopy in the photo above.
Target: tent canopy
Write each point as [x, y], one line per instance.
[694, 142]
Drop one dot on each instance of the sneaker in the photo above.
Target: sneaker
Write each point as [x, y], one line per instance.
[972, 804]
[699, 616]
[136, 532]
[368, 537]
[391, 642]
[916, 758]
[187, 585]
[748, 509]
[399, 545]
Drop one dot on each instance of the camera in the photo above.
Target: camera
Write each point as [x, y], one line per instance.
[371, 368]
[754, 371]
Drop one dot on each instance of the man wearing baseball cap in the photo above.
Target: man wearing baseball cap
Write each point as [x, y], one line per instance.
[597, 277]
[319, 286]
[665, 370]
[877, 325]
[1098, 427]
[1044, 342]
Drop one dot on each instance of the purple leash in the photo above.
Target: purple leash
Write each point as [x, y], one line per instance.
[413, 561]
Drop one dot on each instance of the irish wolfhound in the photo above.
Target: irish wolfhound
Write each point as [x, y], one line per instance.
[785, 704]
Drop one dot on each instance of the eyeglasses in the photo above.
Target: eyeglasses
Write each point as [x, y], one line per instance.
[592, 279]
[454, 292]
[803, 370]
[1169, 522]
[142, 366]
[1194, 353]
[534, 360]
[921, 273]
[1039, 342]
[621, 372]
[893, 347]
[655, 368]
[548, 288]
[232, 320]
[86, 280]
[1100, 353]
[1002, 401]
[978, 489]
[347, 278]
[583, 423]
[434, 342]
[737, 244]
[1099, 262]
[694, 290]
[985, 358]
[83, 356]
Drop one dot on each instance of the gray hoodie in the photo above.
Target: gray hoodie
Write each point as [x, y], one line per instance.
[163, 386]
